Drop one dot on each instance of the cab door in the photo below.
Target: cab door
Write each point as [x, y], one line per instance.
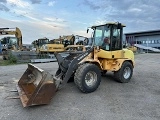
[116, 42]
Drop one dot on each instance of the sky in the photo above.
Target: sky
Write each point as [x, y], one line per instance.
[54, 18]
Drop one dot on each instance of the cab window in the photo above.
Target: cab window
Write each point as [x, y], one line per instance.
[116, 39]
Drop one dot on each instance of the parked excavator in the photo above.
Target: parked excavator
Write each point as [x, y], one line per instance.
[37, 87]
[63, 43]
[57, 45]
[11, 43]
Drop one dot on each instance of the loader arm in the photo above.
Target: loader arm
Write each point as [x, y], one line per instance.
[68, 67]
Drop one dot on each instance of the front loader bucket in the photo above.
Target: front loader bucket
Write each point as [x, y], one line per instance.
[36, 87]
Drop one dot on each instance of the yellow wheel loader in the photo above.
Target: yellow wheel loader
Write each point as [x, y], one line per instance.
[37, 87]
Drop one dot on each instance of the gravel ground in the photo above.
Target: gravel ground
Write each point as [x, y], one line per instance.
[137, 100]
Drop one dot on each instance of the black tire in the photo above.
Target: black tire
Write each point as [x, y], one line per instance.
[90, 70]
[121, 76]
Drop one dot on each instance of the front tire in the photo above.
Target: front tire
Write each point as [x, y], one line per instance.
[124, 74]
[87, 77]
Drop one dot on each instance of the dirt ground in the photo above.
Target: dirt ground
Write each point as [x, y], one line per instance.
[137, 100]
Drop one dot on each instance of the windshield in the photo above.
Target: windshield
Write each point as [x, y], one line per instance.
[13, 41]
[101, 32]
[66, 42]
[4, 41]
[57, 42]
[44, 41]
[9, 40]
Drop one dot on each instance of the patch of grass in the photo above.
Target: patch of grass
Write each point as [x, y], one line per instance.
[10, 61]
[5, 62]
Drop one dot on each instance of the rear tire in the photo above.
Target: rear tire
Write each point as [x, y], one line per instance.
[124, 74]
[87, 77]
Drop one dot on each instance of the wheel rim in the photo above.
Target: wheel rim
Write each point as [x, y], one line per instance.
[91, 78]
[127, 73]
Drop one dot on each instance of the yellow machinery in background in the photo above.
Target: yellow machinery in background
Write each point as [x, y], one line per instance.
[55, 45]
[11, 43]
[129, 46]
[37, 86]
[61, 44]
[39, 43]
[11, 31]
[132, 48]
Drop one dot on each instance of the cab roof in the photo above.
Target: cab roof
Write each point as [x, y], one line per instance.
[109, 23]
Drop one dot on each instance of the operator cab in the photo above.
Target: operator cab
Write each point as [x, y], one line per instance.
[41, 41]
[108, 36]
[9, 42]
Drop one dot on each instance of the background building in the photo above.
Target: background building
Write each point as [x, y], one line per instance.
[150, 39]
